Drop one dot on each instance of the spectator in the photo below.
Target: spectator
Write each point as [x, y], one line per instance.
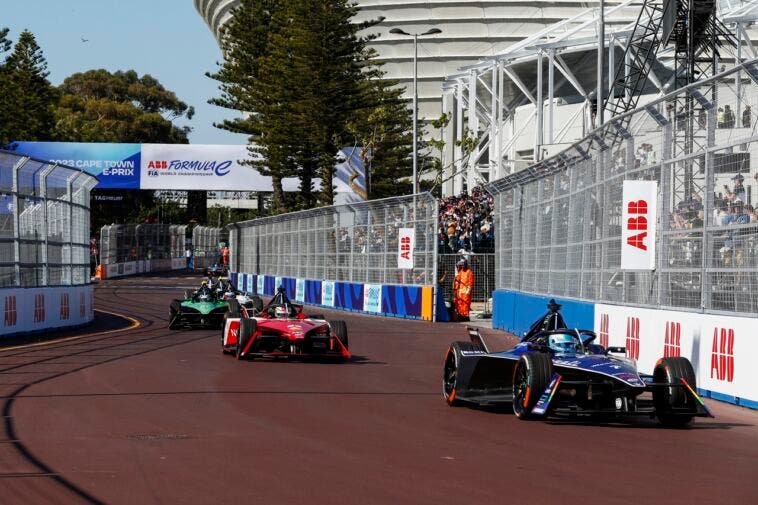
[466, 222]
[463, 288]
[746, 120]
[738, 193]
[728, 117]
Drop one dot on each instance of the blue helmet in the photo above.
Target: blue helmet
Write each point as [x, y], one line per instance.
[563, 343]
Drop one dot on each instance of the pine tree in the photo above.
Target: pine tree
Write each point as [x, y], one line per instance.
[246, 43]
[27, 99]
[383, 131]
[301, 73]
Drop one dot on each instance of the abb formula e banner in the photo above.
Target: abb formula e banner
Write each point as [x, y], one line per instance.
[405, 243]
[639, 218]
[184, 167]
[202, 167]
[722, 349]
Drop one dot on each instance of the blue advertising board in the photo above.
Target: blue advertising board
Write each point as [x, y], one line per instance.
[116, 166]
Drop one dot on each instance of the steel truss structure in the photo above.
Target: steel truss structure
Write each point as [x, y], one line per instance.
[536, 97]
[558, 223]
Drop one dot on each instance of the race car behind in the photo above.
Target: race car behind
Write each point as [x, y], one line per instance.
[282, 329]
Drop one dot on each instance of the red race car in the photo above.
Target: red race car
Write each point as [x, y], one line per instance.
[281, 329]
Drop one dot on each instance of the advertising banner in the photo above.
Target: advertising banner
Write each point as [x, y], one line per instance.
[721, 348]
[639, 219]
[300, 290]
[202, 167]
[405, 244]
[372, 298]
[327, 293]
[261, 284]
[116, 166]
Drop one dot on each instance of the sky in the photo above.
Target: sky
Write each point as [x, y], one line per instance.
[164, 38]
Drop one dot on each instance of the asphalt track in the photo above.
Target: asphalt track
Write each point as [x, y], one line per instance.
[149, 415]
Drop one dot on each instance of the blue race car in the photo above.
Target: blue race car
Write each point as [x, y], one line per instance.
[557, 371]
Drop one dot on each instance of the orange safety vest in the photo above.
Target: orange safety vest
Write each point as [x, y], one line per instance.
[463, 288]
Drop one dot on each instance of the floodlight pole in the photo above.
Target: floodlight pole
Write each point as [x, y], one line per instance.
[432, 31]
[600, 48]
[415, 113]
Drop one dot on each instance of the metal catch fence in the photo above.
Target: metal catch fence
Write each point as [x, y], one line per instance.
[121, 243]
[44, 223]
[558, 223]
[207, 243]
[354, 242]
[483, 266]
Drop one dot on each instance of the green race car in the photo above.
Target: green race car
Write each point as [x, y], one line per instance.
[201, 309]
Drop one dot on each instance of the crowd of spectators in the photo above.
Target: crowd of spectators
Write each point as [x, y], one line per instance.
[465, 225]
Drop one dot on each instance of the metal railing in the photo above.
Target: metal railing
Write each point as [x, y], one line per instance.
[44, 223]
[352, 243]
[558, 223]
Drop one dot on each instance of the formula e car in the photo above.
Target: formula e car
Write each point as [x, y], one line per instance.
[227, 292]
[201, 309]
[562, 372]
[282, 329]
[216, 270]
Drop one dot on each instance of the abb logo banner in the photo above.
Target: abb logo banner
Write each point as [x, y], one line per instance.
[39, 308]
[719, 347]
[722, 354]
[633, 337]
[604, 330]
[11, 316]
[672, 345]
[24, 309]
[405, 245]
[639, 219]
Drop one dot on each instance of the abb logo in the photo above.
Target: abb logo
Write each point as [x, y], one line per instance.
[157, 164]
[405, 248]
[672, 346]
[633, 337]
[722, 354]
[10, 311]
[604, 330]
[39, 308]
[639, 223]
[82, 305]
[65, 311]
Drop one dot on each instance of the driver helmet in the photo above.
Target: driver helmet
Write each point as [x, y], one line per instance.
[280, 312]
[562, 343]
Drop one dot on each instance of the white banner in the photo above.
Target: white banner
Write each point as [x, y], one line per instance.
[37, 309]
[405, 244]
[327, 293]
[300, 290]
[261, 283]
[202, 167]
[721, 348]
[372, 298]
[639, 219]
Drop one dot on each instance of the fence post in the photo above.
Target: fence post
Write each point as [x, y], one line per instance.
[16, 223]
